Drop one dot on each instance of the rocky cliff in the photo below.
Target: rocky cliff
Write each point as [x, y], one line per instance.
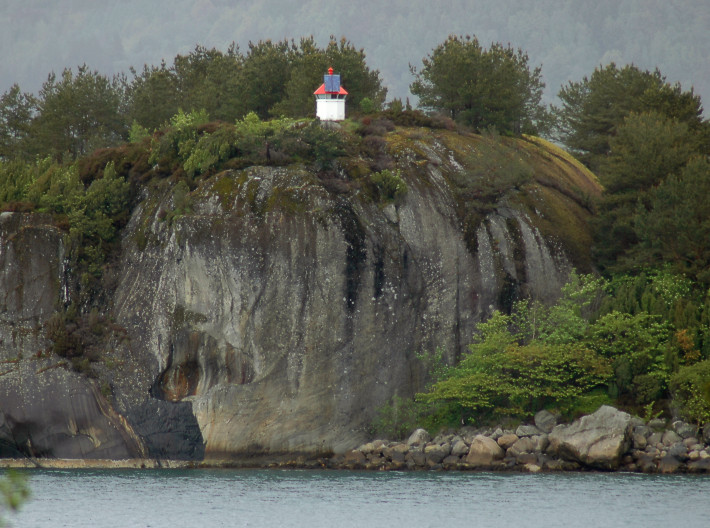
[274, 308]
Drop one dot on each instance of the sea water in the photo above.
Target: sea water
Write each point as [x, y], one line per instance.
[342, 499]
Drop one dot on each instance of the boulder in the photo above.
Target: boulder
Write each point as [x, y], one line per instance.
[706, 433]
[545, 421]
[507, 440]
[396, 453]
[524, 445]
[646, 463]
[526, 458]
[639, 441]
[643, 430]
[684, 429]
[669, 464]
[670, 437]
[678, 451]
[354, 459]
[657, 424]
[48, 410]
[435, 453]
[655, 438]
[527, 430]
[459, 448]
[451, 461]
[375, 447]
[416, 458]
[597, 440]
[699, 466]
[419, 438]
[691, 442]
[483, 452]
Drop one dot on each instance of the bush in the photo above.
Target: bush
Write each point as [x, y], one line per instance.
[367, 106]
[179, 137]
[502, 377]
[389, 184]
[690, 387]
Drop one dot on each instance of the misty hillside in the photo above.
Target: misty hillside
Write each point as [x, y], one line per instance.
[569, 38]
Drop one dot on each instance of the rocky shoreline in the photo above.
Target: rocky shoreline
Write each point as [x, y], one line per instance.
[607, 440]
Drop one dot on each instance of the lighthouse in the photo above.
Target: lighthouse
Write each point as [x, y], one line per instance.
[330, 98]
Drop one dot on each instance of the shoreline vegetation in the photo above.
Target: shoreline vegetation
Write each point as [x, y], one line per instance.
[608, 440]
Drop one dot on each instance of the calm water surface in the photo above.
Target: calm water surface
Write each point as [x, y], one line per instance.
[275, 498]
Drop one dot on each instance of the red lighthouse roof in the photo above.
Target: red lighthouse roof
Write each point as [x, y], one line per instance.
[321, 91]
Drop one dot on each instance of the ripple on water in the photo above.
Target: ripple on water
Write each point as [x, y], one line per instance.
[285, 498]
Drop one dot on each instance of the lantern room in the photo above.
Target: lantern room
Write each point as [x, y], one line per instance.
[330, 98]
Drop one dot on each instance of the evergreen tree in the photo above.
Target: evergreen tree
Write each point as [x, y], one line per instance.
[646, 149]
[16, 113]
[481, 87]
[78, 113]
[675, 227]
[265, 72]
[207, 79]
[153, 96]
[592, 109]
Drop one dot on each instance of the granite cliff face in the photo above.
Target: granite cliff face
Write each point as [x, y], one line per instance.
[287, 304]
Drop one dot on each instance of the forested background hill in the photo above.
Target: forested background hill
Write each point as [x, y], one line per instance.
[569, 38]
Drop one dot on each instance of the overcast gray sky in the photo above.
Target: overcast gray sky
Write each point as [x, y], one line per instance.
[569, 38]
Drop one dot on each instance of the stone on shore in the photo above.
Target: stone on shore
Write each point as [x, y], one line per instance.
[527, 430]
[684, 430]
[354, 459]
[419, 438]
[545, 421]
[507, 440]
[597, 440]
[459, 448]
[437, 452]
[484, 451]
[669, 464]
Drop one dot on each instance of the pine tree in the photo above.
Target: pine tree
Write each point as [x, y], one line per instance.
[481, 87]
[593, 108]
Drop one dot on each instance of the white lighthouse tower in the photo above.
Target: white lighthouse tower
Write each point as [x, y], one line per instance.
[330, 98]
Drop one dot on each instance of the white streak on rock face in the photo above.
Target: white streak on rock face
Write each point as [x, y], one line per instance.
[504, 245]
[543, 277]
[486, 264]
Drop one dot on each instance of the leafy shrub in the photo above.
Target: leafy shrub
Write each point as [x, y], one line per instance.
[366, 105]
[389, 184]
[324, 144]
[637, 345]
[515, 380]
[179, 137]
[211, 150]
[690, 387]
[137, 133]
